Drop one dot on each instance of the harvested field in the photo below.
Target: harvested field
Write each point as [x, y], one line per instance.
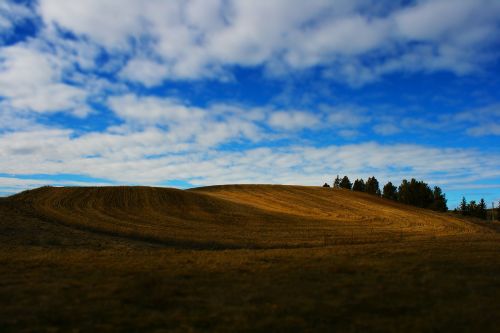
[243, 216]
[241, 258]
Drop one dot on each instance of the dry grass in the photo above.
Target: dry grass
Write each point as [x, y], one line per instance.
[243, 216]
[143, 259]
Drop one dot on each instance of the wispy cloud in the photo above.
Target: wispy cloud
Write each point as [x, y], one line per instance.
[149, 156]
[481, 121]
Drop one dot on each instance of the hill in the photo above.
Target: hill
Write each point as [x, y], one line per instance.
[240, 258]
[238, 216]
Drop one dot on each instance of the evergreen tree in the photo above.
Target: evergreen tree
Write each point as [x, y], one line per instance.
[464, 206]
[345, 183]
[404, 195]
[326, 185]
[498, 211]
[472, 208]
[439, 200]
[336, 182]
[415, 193]
[359, 185]
[421, 194]
[372, 186]
[481, 209]
[390, 191]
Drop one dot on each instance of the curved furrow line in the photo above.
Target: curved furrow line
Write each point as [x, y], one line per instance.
[257, 216]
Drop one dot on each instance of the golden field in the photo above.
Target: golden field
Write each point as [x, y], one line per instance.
[241, 258]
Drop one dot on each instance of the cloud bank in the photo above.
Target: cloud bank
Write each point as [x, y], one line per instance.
[353, 41]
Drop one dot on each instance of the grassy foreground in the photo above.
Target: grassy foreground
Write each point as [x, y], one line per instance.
[87, 274]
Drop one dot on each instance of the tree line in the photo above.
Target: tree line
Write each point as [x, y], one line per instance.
[478, 209]
[413, 192]
[473, 208]
[417, 193]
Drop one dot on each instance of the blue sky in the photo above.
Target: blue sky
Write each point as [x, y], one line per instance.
[200, 92]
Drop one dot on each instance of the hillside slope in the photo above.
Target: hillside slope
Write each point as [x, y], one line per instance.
[238, 216]
[240, 258]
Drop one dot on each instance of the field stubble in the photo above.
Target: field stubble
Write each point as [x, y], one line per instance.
[240, 258]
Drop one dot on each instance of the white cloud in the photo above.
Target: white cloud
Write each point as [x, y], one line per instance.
[486, 129]
[438, 20]
[293, 120]
[147, 157]
[355, 41]
[107, 22]
[148, 72]
[222, 123]
[12, 120]
[206, 127]
[69, 52]
[477, 122]
[348, 133]
[13, 184]
[31, 80]
[346, 117]
[153, 110]
[480, 121]
[386, 129]
[12, 14]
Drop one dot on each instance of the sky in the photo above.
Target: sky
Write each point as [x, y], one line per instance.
[200, 92]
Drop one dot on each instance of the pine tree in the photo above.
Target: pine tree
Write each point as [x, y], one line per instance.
[390, 191]
[472, 208]
[421, 194]
[415, 193]
[372, 186]
[359, 185]
[326, 185]
[439, 200]
[481, 209]
[464, 207]
[345, 183]
[336, 182]
[404, 195]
